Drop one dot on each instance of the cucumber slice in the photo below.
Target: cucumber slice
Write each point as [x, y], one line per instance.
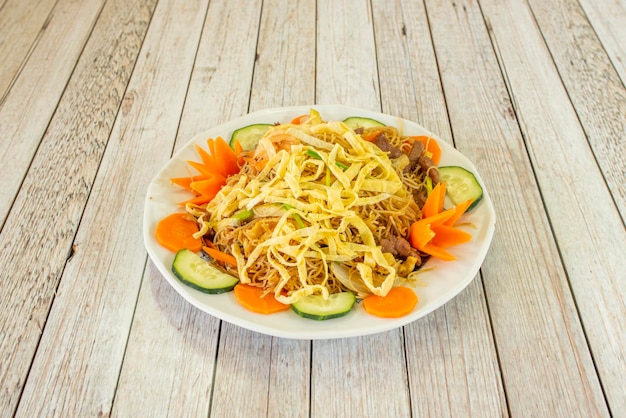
[357, 122]
[249, 136]
[318, 308]
[461, 185]
[195, 272]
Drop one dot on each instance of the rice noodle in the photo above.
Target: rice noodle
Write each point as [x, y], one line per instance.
[324, 196]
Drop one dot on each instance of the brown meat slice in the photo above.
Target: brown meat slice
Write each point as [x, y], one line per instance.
[399, 247]
[427, 165]
[383, 143]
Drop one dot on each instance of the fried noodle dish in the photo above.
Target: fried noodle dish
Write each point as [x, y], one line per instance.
[318, 209]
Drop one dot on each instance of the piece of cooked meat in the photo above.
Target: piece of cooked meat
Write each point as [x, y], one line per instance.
[399, 247]
[383, 143]
[427, 165]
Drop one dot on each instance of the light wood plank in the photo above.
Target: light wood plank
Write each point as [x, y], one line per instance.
[608, 18]
[458, 336]
[221, 77]
[363, 376]
[533, 314]
[593, 85]
[360, 377]
[571, 183]
[249, 361]
[29, 105]
[346, 56]
[21, 22]
[76, 370]
[169, 361]
[37, 236]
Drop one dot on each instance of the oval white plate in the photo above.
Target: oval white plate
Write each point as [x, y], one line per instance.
[441, 280]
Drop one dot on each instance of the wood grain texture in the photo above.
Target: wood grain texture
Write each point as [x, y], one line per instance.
[578, 202]
[28, 107]
[360, 377]
[170, 356]
[284, 72]
[52, 198]
[533, 314]
[87, 329]
[346, 70]
[456, 338]
[21, 22]
[608, 18]
[593, 86]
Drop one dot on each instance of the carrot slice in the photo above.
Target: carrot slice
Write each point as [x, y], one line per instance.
[202, 169]
[220, 256]
[207, 159]
[430, 145]
[371, 136]
[251, 298]
[208, 187]
[398, 302]
[461, 208]
[434, 201]
[225, 158]
[437, 252]
[185, 182]
[211, 144]
[420, 234]
[175, 232]
[446, 236]
[299, 119]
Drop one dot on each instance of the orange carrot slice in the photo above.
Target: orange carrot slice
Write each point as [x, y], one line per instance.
[251, 298]
[175, 232]
[437, 252]
[220, 256]
[208, 187]
[400, 301]
[371, 136]
[461, 208]
[299, 119]
[434, 201]
[447, 236]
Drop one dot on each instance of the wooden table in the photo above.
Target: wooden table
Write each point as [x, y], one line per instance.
[96, 95]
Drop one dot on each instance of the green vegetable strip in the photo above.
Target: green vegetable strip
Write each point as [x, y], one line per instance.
[315, 155]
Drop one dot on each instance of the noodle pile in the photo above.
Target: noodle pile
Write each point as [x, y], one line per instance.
[307, 212]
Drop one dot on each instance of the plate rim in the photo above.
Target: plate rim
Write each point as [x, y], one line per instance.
[313, 331]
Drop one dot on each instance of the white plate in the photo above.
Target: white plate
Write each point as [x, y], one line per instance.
[441, 282]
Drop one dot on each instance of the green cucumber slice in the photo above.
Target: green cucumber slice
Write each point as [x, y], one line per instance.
[195, 272]
[461, 185]
[318, 308]
[249, 136]
[357, 122]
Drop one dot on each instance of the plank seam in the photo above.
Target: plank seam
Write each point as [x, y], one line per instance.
[502, 66]
[52, 117]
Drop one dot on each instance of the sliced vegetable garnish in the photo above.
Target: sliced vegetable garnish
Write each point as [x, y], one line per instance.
[175, 232]
[220, 256]
[319, 308]
[249, 136]
[355, 122]
[254, 299]
[462, 185]
[195, 272]
[400, 301]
